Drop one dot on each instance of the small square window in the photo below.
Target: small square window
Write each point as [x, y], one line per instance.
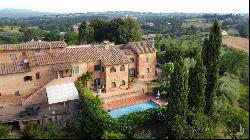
[38, 75]
[132, 60]
[77, 70]
[97, 67]
[17, 93]
[13, 56]
[28, 78]
[37, 51]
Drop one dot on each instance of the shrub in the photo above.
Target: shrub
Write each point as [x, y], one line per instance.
[142, 135]
[112, 135]
[229, 86]
[4, 132]
[35, 131]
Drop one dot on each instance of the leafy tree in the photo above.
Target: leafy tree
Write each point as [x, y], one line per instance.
[112, 135]
[200, 126]
[86, 33]
[244, 30]
[235, 62]
[165, 82]
[100, 27]
[124, 30]
[179, 127]
[71, 38]
[210, 56]
[52, 36]
[32, 33]
[13, 40]
[197, 85]
[173, 55]
[229, 86]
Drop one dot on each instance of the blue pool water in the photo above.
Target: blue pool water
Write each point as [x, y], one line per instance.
[117, 112]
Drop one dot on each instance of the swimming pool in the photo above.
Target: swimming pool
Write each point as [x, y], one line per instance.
[141, 106]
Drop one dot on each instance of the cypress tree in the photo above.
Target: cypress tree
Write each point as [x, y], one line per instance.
[177, 108]
[210, 56]
[197, 84]
[177, 104]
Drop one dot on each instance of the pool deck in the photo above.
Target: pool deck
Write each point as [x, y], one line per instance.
[129, 101]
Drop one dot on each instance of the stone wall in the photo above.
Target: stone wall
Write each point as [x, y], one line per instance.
[146, 69]
[11, 83]
[116, 77]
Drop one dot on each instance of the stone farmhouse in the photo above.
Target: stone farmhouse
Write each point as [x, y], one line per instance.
[27, 67]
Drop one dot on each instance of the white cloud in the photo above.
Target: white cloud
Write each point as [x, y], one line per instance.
[214, 6]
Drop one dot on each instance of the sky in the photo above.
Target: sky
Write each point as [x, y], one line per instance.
[156, 6]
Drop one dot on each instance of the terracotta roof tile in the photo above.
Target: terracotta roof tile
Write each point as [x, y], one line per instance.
[33, 45]
[13, 67]
[139, 47]
[66, 66]
[113, 56]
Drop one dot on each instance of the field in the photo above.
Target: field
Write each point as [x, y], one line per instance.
[196, 23]
[237, 42]
[10, 29]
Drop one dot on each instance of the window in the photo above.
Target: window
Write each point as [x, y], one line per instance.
[122, 68]
[38, 75]
[97, 67]
[132, 60]
[77, 70]
[102, 69]
[17, 93]
[113, 85]
[13, 56]
[37, 51]
[112, 69]
[147, 70]
[123, 83]
[97, 82]
[132, 72]
[50, 119]
[147, 59]
[28, 78]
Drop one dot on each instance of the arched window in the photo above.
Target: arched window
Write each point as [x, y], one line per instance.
[113, 85]
[112, 69]
[123, 83]
[147, 70]
[122, 68]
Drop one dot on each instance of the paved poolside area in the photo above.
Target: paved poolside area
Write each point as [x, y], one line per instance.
[129, 101]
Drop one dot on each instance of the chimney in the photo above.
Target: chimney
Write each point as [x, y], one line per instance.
[106, 44]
